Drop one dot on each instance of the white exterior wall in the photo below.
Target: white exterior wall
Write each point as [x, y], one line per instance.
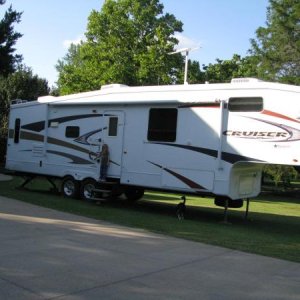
[203, 158]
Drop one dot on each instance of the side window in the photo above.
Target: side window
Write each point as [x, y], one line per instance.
[162, 124]
[113, 126]
[245, 104]
[17, 130]
[72, 131]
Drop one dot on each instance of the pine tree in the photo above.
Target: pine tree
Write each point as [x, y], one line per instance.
[8, 38]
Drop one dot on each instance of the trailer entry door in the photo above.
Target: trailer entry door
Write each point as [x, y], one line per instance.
[114, 121]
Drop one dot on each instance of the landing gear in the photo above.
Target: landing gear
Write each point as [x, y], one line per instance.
[225, 220]
[29, 178]
[247, 208]
[226, 202]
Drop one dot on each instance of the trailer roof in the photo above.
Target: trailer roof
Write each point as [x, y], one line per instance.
[123, 94]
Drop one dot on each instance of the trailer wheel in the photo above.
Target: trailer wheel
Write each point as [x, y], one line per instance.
[134, 193]
[86, 190]
[70, 187]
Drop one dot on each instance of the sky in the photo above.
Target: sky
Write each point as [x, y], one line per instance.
[218, 28]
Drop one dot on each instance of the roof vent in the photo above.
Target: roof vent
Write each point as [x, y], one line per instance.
[245, 80]
[45, 99]
[113, 86]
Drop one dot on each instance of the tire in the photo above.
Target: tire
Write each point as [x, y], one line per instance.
[70, 187]
[86, 189]
[134, 193]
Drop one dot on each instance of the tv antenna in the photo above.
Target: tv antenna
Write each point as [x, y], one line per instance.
[186, 52]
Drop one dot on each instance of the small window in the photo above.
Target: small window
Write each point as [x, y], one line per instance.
[113, 126]
[162, 124]
[72, 131]
[246, 104]
[17, 130]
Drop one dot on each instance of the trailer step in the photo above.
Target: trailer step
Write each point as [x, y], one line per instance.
[107, 182]
[97, 199]
[101, 191]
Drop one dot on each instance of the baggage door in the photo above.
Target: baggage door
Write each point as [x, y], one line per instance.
[113, 137]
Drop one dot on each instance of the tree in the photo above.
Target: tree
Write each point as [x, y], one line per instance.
[21, 84]
[277, 46]
[128, 42]
[8, 38]
[194, 76]
[16, 80]
[283, 175]
[225, 70]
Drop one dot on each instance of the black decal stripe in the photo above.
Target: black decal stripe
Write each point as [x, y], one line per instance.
[75, 159]
[210, 152]
[192, 184]
[61, 143]
[30, 136]
[200, 104]
[72, 118]
[36, 126]
[83, 138]
[228, 157]
[114, 163]
[234, 158]
[39, 126]
[40, 138]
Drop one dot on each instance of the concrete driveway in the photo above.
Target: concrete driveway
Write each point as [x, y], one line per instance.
[45, 254]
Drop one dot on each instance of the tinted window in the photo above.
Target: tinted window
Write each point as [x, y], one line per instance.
[162, 124]
[246, 104]
[17, 130]
[72, 131]
[113, 126]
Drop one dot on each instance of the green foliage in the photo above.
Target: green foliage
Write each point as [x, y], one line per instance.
[195, 75]
[225, 70]
[277, 46]
[8, 38]
[281, 174]
[21, 84]
[16, 80]
[128, 42]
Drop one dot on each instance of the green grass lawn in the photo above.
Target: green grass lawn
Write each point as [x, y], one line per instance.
[273, 229]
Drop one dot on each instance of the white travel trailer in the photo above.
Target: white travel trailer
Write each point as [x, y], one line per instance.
[200, 139]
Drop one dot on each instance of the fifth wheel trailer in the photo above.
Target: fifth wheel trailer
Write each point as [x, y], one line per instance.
[200, 139]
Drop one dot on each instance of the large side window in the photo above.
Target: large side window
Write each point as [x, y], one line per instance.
[245, 104]
[72, 131]
[162, 124]
[17, 130]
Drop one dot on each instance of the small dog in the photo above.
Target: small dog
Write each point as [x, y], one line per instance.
[180, 209]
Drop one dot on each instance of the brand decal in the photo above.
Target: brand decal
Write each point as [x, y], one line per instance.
[284, 133]
[257, 134]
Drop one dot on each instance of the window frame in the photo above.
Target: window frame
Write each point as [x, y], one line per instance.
[17, 130]
[72, 132]
[161, 126]
[113, 126]
[254, 104]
